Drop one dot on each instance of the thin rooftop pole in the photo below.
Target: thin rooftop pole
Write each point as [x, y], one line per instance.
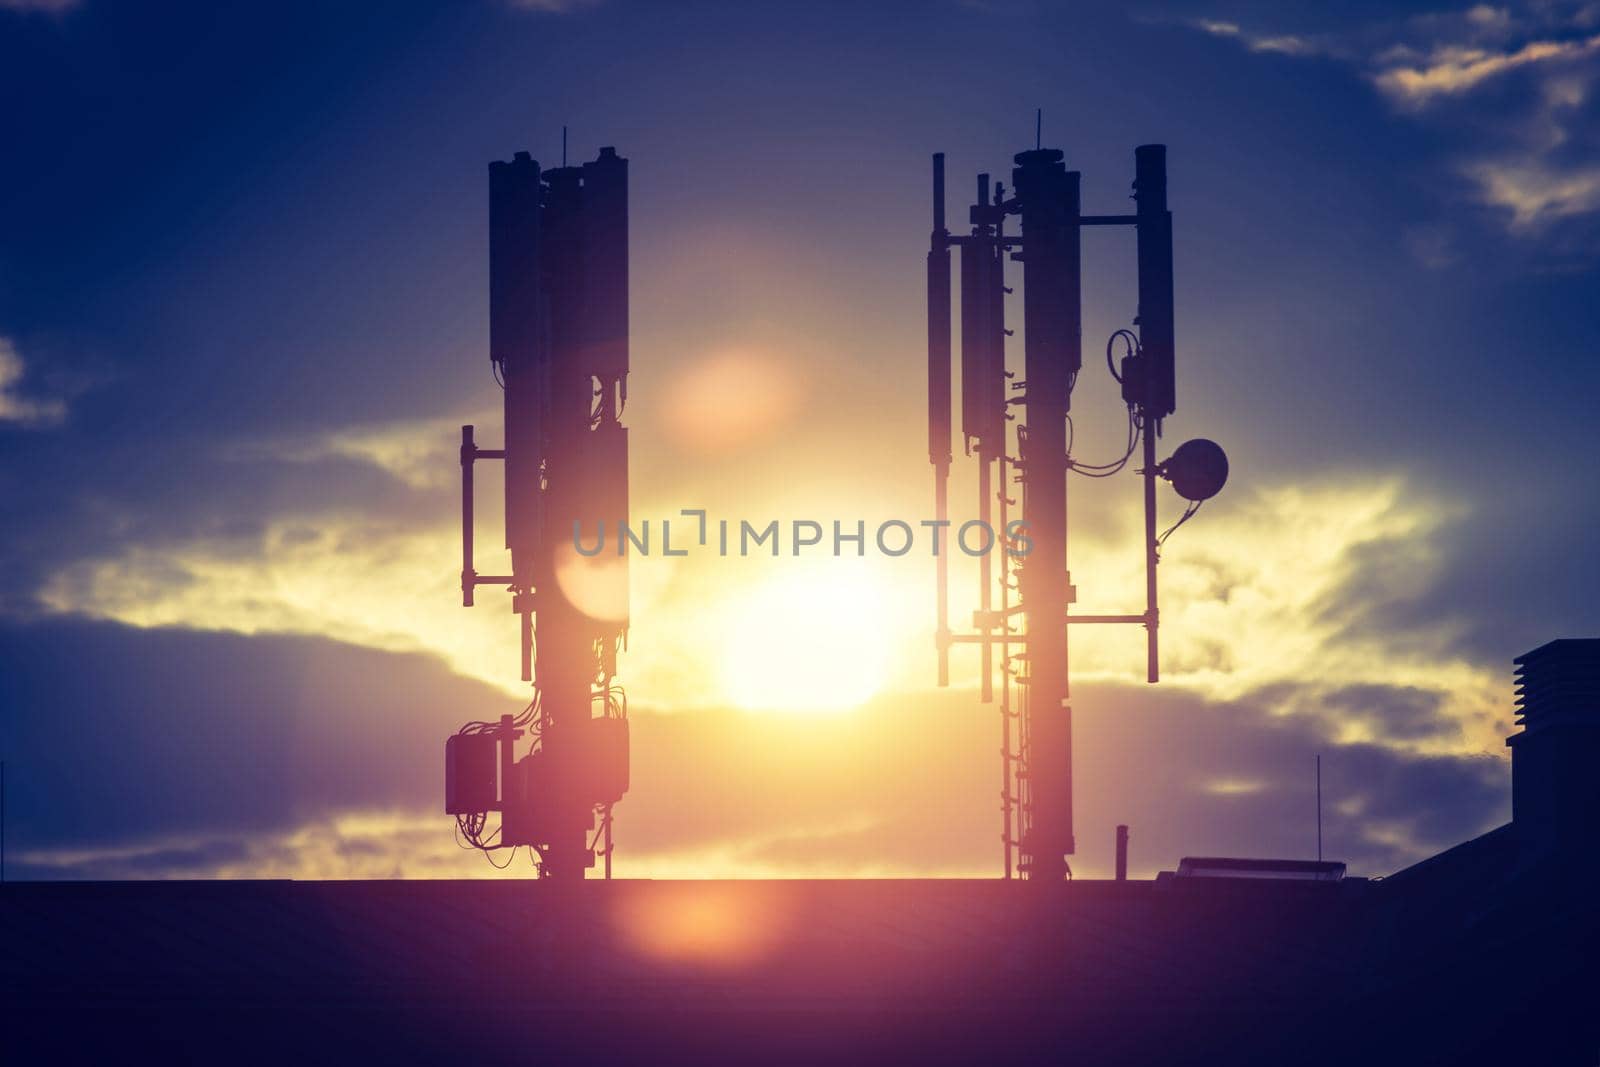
[1319, 807]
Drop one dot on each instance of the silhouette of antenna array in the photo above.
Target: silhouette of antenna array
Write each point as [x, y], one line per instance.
[1030, 630]
[558, 344]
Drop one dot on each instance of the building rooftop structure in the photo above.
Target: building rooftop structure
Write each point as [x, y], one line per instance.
[1327, 871]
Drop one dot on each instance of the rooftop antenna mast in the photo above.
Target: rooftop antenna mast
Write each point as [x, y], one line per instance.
[1030, 633]
[1319, 807]
[558, 345]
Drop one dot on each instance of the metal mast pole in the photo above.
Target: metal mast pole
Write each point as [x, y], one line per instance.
[1047, 199]
[563, 657]
[982, 388]
[939, 408]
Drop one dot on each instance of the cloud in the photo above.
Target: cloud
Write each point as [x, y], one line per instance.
[16, 407]
[1511, 83]
[1287, 44]
[236, 497]
[1274, 586]
[1536, 192]
[421, 453]
[1273, 594]
[348, 844]
[269, 756]
[116, 736]
[1453, 69]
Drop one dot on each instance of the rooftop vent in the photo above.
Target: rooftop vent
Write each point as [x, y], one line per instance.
[1555, 759]
[1559, 683]
[1274, 870]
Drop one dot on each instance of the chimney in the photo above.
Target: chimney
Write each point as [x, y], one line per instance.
[1555, 759]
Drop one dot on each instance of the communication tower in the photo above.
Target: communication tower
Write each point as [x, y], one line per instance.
[558, 346]
[1030, 630]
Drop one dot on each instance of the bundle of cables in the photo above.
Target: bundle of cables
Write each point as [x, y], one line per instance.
[470, 828]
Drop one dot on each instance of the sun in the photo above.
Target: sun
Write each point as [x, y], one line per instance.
[813, 639]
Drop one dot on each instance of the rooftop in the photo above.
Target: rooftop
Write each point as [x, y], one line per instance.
[850, 971]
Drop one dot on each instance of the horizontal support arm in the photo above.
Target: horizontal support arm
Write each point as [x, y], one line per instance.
[1108, 618]
[1016, 241]
[1022, 639]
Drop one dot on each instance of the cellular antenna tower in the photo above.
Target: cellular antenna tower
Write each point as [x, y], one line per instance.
[1030, 633]
[558, 346]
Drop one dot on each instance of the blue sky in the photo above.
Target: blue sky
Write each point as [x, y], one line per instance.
[243, 302]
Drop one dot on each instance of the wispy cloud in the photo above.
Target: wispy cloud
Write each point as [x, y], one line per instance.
[420, 453]
[1515, 81]
[1537, 139]
[15, 406]
[1536, 191]
[1453, 69]
[1287, 44]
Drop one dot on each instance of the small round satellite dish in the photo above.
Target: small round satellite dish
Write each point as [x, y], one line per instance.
[1197, 470]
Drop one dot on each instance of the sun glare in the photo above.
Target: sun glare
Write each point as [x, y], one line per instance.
[816, 639]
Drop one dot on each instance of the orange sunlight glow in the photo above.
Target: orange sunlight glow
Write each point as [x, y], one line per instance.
[814, 638]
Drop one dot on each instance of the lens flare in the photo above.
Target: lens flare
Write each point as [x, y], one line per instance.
[705, 924]
[730, 399]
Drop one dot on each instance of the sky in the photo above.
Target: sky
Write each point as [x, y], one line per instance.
[243, 313]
